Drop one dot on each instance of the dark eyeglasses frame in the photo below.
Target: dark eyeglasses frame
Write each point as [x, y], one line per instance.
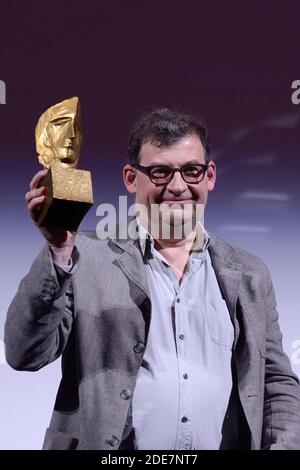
[147, 170]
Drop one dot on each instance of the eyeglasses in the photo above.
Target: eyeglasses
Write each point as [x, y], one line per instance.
[162, 174]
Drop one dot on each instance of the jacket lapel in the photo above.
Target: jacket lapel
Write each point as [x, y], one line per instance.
[129, 257]
[228, 275]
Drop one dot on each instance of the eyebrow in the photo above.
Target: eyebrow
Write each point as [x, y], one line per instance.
[190, 162]
[61, 119]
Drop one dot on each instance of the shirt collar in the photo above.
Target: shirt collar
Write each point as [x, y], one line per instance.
[146, 239]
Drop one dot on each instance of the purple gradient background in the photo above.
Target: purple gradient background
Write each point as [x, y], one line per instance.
[231, 62]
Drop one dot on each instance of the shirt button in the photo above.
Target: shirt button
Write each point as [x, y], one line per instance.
[185, 376]
[139, 348]
[113, 441]
[178, 300]
[125, 394]
[181, 336]
[184, 419]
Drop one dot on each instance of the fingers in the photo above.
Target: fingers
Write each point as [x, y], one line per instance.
[36, 195]
[35, 205]
[34, 183]
[34, 200]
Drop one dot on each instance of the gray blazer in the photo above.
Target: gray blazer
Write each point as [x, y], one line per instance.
[98, 318]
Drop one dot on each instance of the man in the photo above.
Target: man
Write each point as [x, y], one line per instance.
[167, 342]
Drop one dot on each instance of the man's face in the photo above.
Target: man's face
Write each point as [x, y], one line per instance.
[189, 150]
[65, 138]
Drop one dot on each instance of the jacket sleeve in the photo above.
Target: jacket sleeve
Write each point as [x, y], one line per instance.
[40, 316]
[281, 423]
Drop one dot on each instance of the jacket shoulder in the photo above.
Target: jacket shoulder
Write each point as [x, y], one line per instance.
[90, 247]
[87, 242]
[236, 255]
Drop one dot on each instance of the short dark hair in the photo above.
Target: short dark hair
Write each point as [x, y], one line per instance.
[163, 127]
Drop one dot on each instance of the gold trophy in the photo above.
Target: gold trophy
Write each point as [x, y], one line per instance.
[69, 192]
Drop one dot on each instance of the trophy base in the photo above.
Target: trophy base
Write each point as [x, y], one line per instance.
[69, 196]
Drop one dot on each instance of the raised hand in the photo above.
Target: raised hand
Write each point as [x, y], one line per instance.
[60, 241]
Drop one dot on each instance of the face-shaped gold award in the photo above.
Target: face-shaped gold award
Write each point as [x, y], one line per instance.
[58, 134]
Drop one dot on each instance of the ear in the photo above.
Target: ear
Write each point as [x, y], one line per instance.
[211, 175]
[129, 178]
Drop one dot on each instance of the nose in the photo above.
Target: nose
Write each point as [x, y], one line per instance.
[177, 185]
[71, 130]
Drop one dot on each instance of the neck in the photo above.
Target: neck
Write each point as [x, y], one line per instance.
[183, 244]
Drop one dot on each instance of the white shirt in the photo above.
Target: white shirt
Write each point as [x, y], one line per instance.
[185, 380]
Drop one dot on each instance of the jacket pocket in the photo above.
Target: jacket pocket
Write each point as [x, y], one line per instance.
[56, 440]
